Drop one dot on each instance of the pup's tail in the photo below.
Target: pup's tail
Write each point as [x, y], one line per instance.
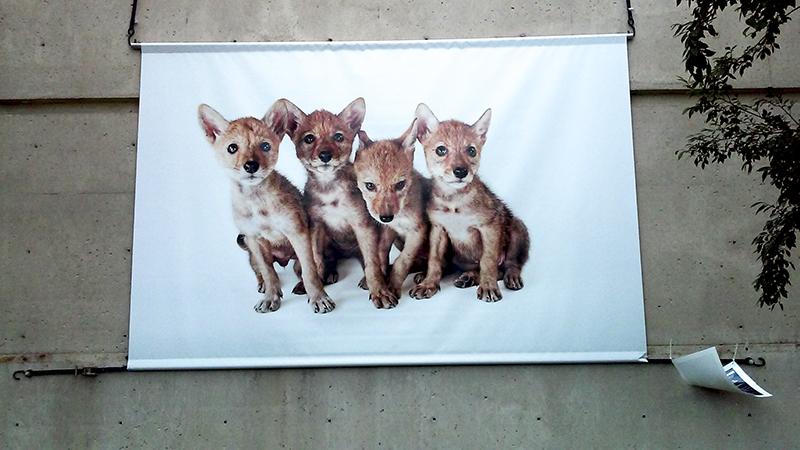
[240, 242]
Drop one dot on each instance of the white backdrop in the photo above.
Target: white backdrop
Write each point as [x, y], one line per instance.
[559, 152]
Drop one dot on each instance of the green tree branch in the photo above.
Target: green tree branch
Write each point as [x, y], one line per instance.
[763, 133]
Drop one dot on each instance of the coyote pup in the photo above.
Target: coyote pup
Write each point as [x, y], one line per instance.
[340, 224]
[396, 195]
[484, 234]
[267, 208]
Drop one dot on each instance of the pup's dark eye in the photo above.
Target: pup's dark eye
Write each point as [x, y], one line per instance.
[400, 185]
[338, 137]
[232, 148]
[471, 151]
[265, 146]
[369, 186]
[441, 150]
[309, 138]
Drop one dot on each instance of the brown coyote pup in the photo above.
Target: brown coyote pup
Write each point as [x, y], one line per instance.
[484, 234]
[267, 208]
[340, 224]
[396, 196]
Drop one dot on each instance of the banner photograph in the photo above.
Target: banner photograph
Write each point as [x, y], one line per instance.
[385, 203]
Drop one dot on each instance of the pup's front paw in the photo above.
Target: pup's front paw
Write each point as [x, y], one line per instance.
[424, 290]
[299, 289]
[383, 298]
[322, 304]
[513, 280]
[396, 281]
[466, 279]
[268, 303]
[396, 289]
[363, 283]
[489, 291]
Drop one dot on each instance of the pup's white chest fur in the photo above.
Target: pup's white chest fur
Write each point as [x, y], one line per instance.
[404, 225]
[456, 218]
[333, 209]
[257, 213]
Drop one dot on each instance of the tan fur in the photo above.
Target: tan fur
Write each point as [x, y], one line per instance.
[484, 235]
[341, 226]
[267, 208]
[396, 197]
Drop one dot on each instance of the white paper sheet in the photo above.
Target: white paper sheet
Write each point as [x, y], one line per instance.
[704, 369]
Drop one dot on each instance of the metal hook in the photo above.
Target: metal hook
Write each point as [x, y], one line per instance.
[631, 22]
[27, 373]
[132, 25]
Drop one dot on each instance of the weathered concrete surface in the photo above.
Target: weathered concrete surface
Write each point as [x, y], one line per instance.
[587, 406]
[66, 49]
[68, 178]
[63, 49]
[655, 55]
[65, 272]
[696, 229]
[66, 192]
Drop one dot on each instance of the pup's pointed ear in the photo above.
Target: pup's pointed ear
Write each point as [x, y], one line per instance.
[276, 118]
[363, 140]
[427, 123]
[212, 122]
[294, 117]
[353, 114]
[409, 137]
[481, 126]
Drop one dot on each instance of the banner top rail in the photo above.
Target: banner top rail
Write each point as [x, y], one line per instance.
[170, 47]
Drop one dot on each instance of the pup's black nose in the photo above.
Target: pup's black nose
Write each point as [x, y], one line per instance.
[460, 172]
[251, 166]
[325, 156]
[387, 218]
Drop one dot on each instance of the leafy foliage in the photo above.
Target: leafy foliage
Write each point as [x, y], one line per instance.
[763, 133]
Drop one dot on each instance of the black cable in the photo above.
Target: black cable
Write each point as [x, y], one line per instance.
[75, 371]
[631, 22]
[132, 25]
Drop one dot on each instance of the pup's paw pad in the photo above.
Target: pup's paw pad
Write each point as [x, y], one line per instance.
[424, 290]
[513, 282]
[330, 278]
[397, 290]
[489, 292]
[268, 305]
[299, 289]
[465, 280]
[363, 284]
[322, 304]
[383, 299]
[418, 277]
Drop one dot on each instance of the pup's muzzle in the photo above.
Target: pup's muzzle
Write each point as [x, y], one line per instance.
[251, 166]
[460, 172]
[325, 156]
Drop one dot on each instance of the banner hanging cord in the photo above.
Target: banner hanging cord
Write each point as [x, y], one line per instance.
[75, 371]
[631, 22]
[95, 371]
[131, 27]
[133, 43]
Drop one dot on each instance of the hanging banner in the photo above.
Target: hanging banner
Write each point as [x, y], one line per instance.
[385, 203]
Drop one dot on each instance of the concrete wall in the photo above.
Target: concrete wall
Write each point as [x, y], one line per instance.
[68, 110]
